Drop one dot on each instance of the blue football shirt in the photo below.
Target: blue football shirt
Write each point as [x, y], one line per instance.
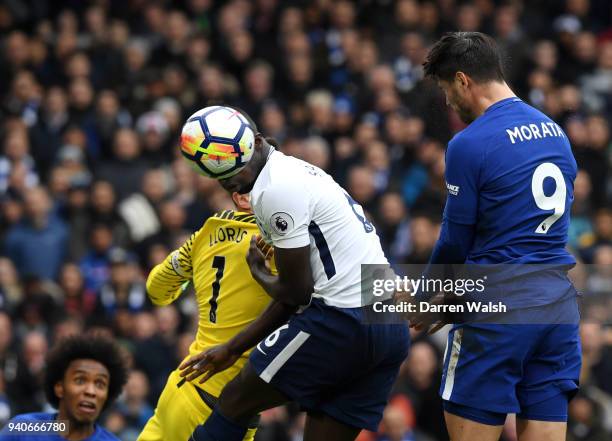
[99, 434]
[511, 174]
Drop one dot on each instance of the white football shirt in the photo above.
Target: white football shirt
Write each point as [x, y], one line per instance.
[297, 204]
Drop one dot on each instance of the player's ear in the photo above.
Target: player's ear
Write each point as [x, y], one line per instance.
[259, 141]
[461, 79]
[242, 201]
[59, 390]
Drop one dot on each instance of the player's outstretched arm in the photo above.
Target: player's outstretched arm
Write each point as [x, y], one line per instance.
[164, 284]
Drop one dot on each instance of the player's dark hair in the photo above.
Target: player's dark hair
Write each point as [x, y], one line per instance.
[473, 53]
[93, 347]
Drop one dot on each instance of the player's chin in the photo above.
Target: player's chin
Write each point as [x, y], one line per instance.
[85, 417]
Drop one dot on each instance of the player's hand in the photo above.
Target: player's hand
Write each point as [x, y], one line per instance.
[209, 363]
[422, 320]
[256, 257]
[266, 249]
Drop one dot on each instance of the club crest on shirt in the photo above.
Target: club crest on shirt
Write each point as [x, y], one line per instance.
[281, 223]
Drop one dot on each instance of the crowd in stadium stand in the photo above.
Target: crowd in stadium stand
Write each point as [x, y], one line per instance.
[93, 192]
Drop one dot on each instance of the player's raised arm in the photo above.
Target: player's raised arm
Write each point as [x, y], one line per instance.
[164, 284]
[284, 211]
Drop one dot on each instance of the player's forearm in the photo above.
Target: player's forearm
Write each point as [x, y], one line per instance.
[275, 315]
[164, 283]
[452, 247]
[454, 243]
[279, 291]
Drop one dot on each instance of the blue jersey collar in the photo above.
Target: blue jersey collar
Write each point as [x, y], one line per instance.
[512, 99]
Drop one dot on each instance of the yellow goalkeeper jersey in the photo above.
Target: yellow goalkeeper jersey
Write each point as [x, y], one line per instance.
[228, 297]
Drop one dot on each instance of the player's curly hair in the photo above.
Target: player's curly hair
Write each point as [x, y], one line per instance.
[474, 53]
[94, 347]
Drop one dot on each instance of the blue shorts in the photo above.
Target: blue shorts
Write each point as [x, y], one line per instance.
[327, 360]
[491, 370]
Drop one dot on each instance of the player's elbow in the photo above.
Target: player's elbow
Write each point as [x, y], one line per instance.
[157, 301]
[158, 297]
[300, 295]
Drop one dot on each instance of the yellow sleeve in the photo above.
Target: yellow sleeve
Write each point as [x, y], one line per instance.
[165, 282]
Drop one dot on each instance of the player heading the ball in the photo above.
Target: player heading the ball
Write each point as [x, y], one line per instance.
[325, 358]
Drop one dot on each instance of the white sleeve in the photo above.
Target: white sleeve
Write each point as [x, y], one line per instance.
[283, 209]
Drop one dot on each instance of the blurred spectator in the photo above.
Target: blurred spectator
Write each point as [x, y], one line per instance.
[597, 357]
[423, 235]
[5, 407]
[16, 159]
[154, 130]
[11, 290]
[601, 235]
[396, 426]
[393, 227]
[586, 420]
[155, 336]
[133, 407]
[124, 291]
[25, 391]
[420, 381]
[8, 356]
[103, 209]
[38, 244]
[125, 171]
[79, 301]
[95, 265]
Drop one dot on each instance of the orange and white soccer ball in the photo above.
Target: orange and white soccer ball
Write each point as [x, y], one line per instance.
[217, 141]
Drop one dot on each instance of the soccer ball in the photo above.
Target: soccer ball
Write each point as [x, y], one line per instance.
[217, 141]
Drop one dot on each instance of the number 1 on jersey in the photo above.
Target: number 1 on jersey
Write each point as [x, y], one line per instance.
[219, 264]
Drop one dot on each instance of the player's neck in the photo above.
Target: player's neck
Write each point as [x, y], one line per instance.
[76, 431]
[492, 93]
[79, 432]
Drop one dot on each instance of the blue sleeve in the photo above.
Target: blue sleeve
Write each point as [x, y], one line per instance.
[463, 174]
[454, 243]
[452, 247]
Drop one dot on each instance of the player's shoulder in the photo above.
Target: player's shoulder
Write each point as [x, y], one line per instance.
[282, 177]
[101, 434]
[33, 416]
[467, 142]
[229, 217]
[284, 169]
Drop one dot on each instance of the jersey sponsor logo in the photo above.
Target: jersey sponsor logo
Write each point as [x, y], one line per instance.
[452, 189]
[281, 223]
[529, 132]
